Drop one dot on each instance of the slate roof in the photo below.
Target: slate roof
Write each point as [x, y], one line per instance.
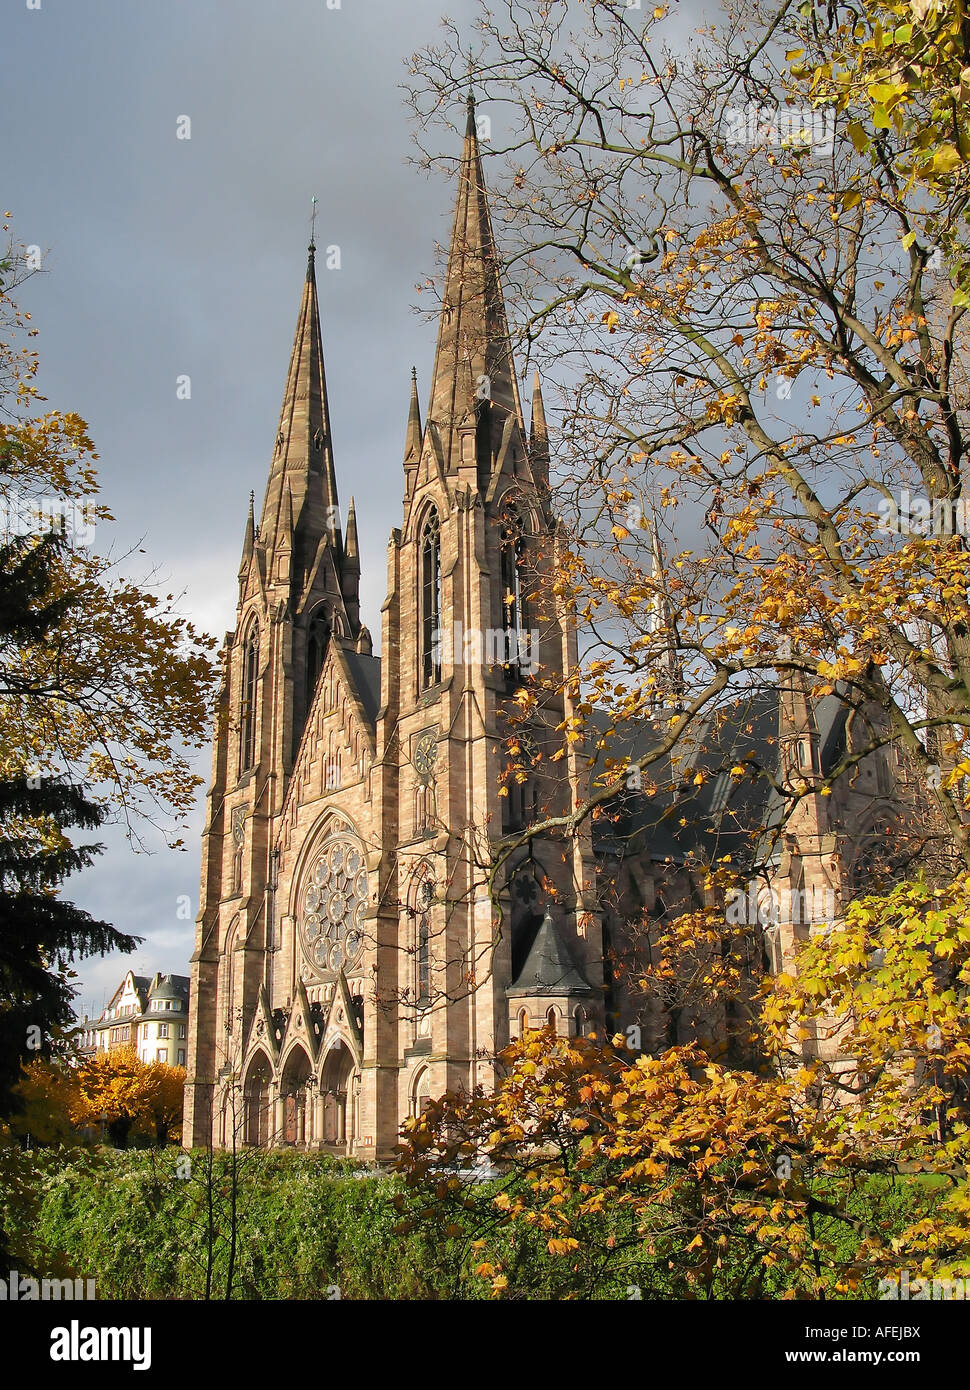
[366, 673]
[548, 967]
[171, 987]
[719, 815]
[168, 987]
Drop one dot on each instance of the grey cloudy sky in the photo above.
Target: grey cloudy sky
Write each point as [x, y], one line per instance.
[168, 257]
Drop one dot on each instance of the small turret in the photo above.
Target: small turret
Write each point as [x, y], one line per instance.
[350, 570]
[412, 442]
[249, 540]
[539, 437]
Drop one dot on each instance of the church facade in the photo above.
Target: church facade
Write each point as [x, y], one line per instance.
[347, 963]
[349, 959]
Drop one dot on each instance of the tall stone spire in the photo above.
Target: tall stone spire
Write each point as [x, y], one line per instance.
[303, 449]
[474, 374]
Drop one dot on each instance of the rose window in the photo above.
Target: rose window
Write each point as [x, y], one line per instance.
[334, 904]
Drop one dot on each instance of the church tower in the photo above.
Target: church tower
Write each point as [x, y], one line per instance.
[349, 961]
[468, 624]
[298, 590]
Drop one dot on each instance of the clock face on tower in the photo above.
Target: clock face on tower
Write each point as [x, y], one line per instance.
[334, 905]
[425, 756]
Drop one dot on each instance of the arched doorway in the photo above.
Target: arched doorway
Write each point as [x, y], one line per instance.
[340, 1089]
[421, 1092]
[257, 1102]
[293, 1090]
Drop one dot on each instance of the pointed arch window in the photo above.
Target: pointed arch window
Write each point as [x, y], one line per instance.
[318, 636]
[228, 978]
[430, 601]
[513, 601]
[419, 906]
[423, 970]
[247, 712]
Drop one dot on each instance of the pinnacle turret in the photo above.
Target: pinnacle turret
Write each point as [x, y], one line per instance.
[539, 435]
[412, 442]
[663, 622]
[248, 540]
[351, 550]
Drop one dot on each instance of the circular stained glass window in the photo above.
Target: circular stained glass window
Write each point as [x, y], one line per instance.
[334, 904]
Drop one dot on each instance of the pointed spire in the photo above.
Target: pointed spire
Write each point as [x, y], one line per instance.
[549, 967]
[350, 571]
[539, 430]
[351, 551]
[412, 443]
[473, 359]
[303, 453]
[539, 433]
[249, 539]
[662, 620]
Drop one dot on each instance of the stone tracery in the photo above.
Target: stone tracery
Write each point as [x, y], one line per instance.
[333, 904]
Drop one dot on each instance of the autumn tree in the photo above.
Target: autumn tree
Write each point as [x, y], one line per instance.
[47, 1097]
[743, 256]
[906, 63]
[755, 318]
[124, 1092]
[164, 1090]
[104, 691]
[680, 1177]
[117, 691]
[42, 932]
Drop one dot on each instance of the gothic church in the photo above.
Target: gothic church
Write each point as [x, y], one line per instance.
[347, 962]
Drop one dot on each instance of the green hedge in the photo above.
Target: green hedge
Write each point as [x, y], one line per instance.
[137, 1223]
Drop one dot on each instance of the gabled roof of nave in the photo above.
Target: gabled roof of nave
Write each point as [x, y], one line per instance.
[720, 814]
